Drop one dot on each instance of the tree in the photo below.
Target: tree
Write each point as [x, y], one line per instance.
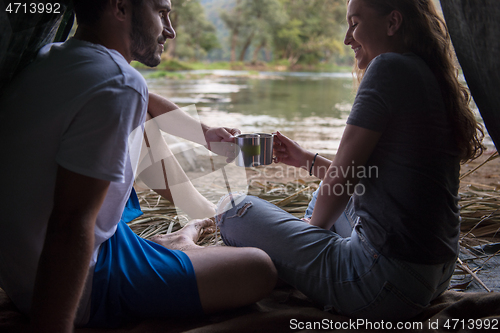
[297, 30]
[314, 30]
[262, 16]
[195, 34]
[251, 22]
[234, 21]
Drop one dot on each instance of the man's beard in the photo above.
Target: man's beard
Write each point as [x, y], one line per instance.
[144, 45]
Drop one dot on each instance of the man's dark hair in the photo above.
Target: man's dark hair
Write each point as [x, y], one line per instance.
[89, 11]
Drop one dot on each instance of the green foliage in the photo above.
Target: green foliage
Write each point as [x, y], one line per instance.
[251, 22]
[211, 65]
[168, 68]
[237, 65]
[301, 31]
[174, 65]
[138, 65]
[281, 63]
[166, 65]
[290, 33]
[314, 31]
[162, 74]
[195, 34]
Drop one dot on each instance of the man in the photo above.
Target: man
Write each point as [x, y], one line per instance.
[64, 126]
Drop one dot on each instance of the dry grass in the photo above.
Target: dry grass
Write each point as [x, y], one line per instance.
[161, 217]
[480, 211]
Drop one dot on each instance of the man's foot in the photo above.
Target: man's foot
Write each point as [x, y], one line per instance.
[186, 238]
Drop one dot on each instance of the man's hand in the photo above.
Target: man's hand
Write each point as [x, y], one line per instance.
[220, 134]
[220, 140]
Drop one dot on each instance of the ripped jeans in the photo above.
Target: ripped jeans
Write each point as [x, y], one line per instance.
[344, 274]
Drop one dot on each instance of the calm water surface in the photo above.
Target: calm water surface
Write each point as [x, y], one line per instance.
[310, 108]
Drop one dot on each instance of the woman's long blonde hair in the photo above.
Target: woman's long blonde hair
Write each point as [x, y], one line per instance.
[424, 33]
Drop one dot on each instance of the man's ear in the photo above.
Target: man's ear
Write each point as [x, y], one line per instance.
[119, 8]
[395, 20]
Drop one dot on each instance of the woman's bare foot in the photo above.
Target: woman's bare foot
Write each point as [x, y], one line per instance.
[186, 238]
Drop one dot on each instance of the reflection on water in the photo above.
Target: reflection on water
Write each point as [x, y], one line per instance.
[310, 108]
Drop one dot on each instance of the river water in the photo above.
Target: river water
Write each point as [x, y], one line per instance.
[310, 108]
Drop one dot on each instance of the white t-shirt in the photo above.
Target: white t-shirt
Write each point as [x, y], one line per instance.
[75, 106]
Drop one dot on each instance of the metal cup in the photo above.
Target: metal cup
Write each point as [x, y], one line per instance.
[248, 150]
[266, 148]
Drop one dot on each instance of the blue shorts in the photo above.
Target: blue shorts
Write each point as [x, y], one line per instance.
[136, 278]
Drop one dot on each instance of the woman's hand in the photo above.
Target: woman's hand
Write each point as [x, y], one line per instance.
[306, 220]
[289, 152]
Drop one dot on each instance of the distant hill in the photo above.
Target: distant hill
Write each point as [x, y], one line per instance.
[212, 7]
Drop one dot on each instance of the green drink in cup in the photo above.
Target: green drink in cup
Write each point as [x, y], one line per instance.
[248, 150]
[251, 150]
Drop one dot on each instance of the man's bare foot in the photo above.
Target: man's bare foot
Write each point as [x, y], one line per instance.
[186, 238]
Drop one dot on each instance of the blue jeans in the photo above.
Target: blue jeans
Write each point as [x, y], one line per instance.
[345, 274]
[344, 224]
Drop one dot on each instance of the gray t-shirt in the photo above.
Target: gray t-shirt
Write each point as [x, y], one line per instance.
[74, 106]
[409, 208]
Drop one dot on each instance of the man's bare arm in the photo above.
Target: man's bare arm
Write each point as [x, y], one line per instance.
[183, 125]
[159, 105]
[177, 122]
[66, 254]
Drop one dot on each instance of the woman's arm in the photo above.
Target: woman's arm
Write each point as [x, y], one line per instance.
[355, 148]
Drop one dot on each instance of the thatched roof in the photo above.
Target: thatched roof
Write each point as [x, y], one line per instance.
[23, 34]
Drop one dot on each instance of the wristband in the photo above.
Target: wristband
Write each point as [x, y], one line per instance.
[312, 164]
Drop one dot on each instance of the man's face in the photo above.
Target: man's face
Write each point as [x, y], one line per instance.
[150, 29]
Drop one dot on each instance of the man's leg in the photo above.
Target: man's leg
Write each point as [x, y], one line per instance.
[227, 277]
[186, 196]
[230, 277]
[136, 278]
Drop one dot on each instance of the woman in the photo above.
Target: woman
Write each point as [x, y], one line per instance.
[408, 131]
